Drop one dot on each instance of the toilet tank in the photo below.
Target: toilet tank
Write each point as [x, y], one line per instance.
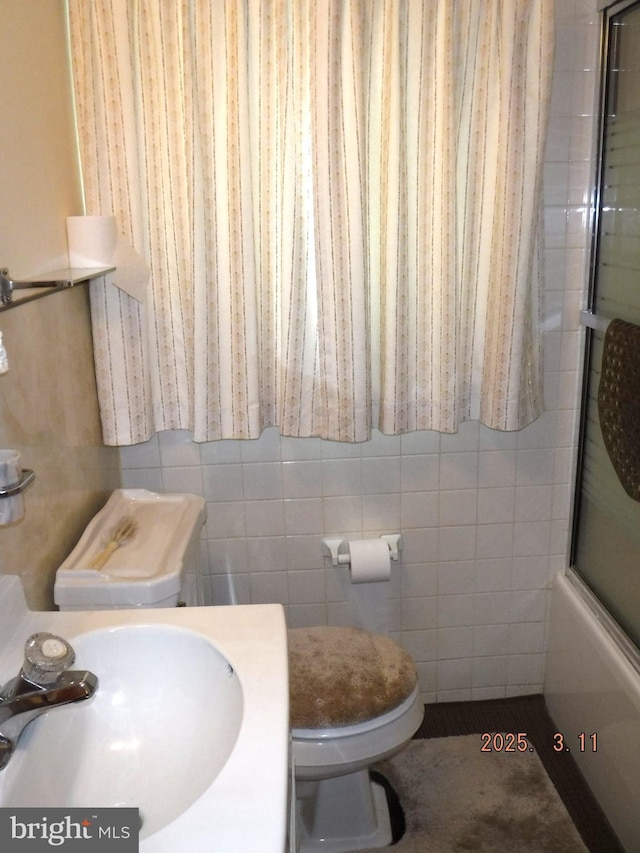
[158, 566]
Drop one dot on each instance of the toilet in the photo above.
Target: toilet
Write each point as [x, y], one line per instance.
[353, 701]
[157, 567]
[353, 694]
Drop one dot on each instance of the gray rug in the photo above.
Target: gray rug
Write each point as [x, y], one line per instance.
[457, 798]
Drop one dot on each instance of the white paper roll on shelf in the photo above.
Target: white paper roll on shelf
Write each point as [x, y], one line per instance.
[92, 241]
[370, 560]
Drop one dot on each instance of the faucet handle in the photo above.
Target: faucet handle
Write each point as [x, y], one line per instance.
[45, 657]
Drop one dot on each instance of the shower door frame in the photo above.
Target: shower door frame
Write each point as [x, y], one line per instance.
[590, 318]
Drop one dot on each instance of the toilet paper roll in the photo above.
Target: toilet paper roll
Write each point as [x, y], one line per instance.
[370, 560]
[132, 273]
[92, 241]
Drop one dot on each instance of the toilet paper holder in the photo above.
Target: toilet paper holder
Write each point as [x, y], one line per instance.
[331, 548]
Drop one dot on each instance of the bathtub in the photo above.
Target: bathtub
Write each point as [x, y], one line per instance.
[592, 690]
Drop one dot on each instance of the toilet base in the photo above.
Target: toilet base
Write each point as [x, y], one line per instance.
[342, 814]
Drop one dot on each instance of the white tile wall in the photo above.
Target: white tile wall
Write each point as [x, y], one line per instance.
[484, 515]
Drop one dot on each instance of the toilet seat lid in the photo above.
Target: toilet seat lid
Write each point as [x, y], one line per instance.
[345, 676]
[374, 725]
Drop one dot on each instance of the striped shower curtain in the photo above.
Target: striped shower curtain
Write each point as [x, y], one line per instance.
[339, 202]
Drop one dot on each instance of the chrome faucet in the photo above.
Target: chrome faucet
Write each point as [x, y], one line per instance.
[44, 681]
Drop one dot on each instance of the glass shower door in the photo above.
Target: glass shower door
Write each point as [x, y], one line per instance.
[606, 543]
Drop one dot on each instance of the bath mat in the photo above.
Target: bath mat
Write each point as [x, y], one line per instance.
[457, 798]
[619, 402]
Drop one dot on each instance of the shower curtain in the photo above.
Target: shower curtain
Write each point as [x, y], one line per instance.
[339, 203]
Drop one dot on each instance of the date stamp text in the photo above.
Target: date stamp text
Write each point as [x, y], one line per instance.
[519, 742]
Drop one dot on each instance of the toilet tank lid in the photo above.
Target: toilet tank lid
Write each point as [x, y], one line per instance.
[152, 561]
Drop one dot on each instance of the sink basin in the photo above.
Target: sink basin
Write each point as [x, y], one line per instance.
[189, 722]
[146, 739]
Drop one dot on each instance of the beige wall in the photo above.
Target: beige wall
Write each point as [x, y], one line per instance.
[48, 407]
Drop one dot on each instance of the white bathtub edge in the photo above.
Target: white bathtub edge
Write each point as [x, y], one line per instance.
[592, 685]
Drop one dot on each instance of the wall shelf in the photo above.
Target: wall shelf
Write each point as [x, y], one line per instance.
[16, 292]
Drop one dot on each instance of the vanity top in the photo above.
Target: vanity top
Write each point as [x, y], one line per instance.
[243, 806]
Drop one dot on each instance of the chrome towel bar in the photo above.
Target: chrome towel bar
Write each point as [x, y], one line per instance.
[594, 321]
[8, 285]
[46, 283]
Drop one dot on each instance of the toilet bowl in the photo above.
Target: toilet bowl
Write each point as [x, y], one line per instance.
[354, 701]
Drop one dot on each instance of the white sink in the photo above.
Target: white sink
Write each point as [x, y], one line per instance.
[160, 728]
[189, 723]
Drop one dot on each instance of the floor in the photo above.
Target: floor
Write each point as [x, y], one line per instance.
[528, 714]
